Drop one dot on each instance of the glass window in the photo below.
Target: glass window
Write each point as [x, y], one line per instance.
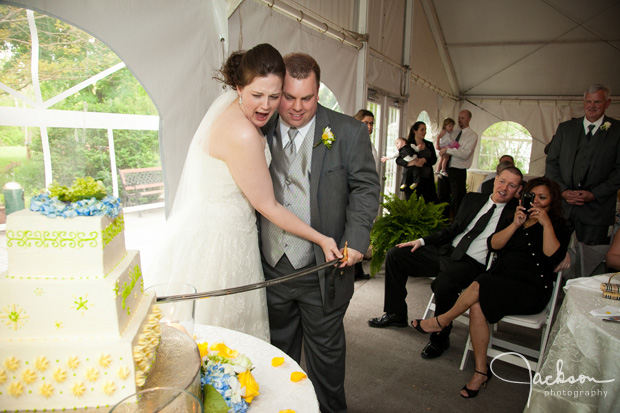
[505, 138]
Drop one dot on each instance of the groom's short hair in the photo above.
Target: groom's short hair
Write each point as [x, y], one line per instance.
[300, 65]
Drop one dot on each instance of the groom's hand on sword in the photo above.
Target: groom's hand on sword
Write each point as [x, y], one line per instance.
[350, 256]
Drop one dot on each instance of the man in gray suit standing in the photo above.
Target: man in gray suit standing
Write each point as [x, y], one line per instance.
[584, 159]
[324, 172]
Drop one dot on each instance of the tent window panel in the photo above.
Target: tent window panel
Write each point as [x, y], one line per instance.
[505, 138]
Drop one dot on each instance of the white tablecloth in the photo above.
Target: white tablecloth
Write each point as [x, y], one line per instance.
[277, 391]
[585, 346]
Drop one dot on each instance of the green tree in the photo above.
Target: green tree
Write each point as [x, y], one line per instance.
[68, 56]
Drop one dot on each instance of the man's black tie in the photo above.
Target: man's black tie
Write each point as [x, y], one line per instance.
[458, 137]
[465, 242]
[589, 134]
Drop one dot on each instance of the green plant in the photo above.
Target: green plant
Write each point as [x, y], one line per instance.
[403, 221]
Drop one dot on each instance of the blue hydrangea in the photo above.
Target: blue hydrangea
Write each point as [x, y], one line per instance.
[216, 374]
[52, 207]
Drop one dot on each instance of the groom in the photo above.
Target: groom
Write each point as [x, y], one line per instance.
[330, 181]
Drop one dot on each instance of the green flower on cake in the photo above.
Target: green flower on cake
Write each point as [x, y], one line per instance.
[14, 316]
[58, 325]
[81, 304]
[83, 188]
[38, 291]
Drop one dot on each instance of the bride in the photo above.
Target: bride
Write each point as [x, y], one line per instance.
[210, 240]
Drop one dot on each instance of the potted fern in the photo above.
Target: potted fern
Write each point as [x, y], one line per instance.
[403, 221]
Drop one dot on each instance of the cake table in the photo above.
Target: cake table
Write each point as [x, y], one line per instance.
[277, 391]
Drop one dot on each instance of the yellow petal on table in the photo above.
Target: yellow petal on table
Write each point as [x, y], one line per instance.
[287, 411]
[297, 376]
[277, 361]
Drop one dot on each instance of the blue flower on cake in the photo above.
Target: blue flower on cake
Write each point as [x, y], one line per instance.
[226, 378]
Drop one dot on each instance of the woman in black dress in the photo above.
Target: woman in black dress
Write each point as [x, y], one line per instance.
[423, 164]
[520, 281]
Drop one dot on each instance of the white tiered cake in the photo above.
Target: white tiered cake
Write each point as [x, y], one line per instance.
[76, 327]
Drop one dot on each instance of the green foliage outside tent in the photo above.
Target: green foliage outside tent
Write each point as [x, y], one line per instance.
[67, 57]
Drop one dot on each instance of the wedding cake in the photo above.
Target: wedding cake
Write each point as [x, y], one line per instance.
[77, 329]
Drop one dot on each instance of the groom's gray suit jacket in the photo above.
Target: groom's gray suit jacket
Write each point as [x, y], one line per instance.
[344, 192]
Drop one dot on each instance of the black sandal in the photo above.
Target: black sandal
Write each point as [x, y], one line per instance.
[419, 328]
[473, 393]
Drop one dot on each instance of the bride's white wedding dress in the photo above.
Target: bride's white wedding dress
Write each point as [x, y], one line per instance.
[211, 240]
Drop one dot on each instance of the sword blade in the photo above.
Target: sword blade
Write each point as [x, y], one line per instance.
[244, 288]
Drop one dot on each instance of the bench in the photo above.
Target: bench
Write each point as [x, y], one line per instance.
[141, 182]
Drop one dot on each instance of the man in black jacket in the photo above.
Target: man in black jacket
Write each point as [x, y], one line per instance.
[455, 256]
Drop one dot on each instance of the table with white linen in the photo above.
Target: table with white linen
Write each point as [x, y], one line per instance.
[584, 350]
[277, 391]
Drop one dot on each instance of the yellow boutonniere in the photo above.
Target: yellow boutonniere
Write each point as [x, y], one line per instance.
[605, 125]
[327, 138]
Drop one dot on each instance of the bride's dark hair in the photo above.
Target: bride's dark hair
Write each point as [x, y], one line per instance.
[242, 67]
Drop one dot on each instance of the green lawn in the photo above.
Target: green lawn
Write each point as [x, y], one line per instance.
[10, 154]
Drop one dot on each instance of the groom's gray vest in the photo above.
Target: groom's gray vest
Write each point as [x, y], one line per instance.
[291, 189]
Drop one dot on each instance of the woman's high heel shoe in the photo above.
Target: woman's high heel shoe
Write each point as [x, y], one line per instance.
[473, 393]
[419, 328]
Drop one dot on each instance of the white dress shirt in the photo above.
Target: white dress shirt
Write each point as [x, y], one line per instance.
[478, 248]
[463, 156]
[597, 124]
[301, 135]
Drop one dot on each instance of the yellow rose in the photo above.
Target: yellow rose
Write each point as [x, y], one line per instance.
[224, 351]
[251, 386]
[203, 348]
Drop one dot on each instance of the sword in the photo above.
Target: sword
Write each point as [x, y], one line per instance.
[249, 287]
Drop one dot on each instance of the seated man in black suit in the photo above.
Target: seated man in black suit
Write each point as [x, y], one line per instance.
[455, 256]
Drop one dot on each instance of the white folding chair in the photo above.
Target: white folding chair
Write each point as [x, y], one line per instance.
[535, 321]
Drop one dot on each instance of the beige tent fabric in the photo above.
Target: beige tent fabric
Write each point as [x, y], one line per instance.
[254, 23]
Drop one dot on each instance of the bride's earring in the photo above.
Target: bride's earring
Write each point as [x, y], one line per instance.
[240, 100]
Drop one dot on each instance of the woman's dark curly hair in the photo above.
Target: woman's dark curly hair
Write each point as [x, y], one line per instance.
[555, 208]
[414, 128]
[242, 67]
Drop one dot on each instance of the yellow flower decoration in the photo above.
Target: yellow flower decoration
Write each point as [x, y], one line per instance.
[123, 373]
[2, 376]
[41, 363]
[11, 363]
[109, 388]
[46, 390]
[73, 362]
[297, 376]
[78, 389]
[60, 375]
[92, 374]
[29, 376]
[105, 360]
[251, 386]
[287, 411]
[140, 378]
[203, 348]
[277, 361]
[327, 138]
[224, 351]
[16, 389]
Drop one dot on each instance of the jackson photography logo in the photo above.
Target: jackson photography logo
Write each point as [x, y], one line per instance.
[559, 378]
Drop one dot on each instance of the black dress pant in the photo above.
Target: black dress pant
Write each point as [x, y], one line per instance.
[451, 276]
[452, 189]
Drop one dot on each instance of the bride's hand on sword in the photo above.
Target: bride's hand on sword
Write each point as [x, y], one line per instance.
[330, 249]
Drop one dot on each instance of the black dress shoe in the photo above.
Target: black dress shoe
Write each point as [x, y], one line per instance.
[362, 276]
[432, 350]
[388, 320]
